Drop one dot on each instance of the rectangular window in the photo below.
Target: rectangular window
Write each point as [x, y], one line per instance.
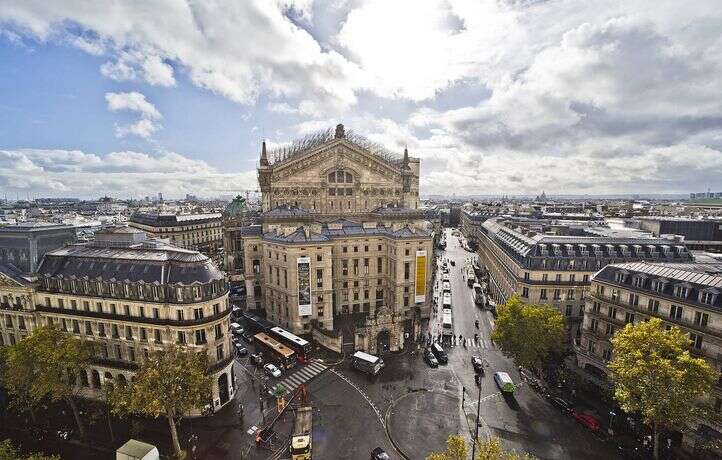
[127, 310]
[675, 312]
[73, 304]
[612, 313]
[76, 326]
[557, 294]
[568, 311]
[543, 294]
[707, 297]
[585, 279]
[131, 354]
[610, 329]
[200, 336]
[156, 335]
[143, 334]
[101, 330]
[128, 333]
[156, 313]
[653, 306]
[633, 299]
[218, 331]
[86, 305]
[526, 276]
[607, 354]
[570, 294]
[572, 278]
[545, 277]
[559, 277]
[701, 319]
[179, 315]
[219, 352]
[629, 317]
[407, 270]
[593, 325]
[61, 303]
[181, 337]
[141, 311]
[88, 328]
[118, 352]
[525, 292]
[48, 302]
[680, 291]
[197, 313]
[696, 341]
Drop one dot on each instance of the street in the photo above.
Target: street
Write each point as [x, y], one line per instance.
[412, 408]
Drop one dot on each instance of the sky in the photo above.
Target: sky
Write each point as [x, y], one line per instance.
[128, 99]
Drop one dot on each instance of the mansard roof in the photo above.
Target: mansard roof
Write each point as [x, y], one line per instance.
[164, 265]
[345, 228]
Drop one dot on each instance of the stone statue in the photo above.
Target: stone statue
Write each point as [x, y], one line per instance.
[340, 134]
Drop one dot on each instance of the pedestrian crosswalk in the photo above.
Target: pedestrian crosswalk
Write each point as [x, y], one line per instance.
[302, 374]
[481, 344]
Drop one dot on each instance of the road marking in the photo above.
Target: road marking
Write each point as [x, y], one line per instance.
[361, 392]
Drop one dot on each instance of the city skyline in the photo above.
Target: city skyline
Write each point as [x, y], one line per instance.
[496, 98]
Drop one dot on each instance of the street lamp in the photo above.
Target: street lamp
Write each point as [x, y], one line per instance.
[478, 412]
[612, 414]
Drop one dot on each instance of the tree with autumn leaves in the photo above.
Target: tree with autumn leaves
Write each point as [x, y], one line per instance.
[655, 376]
[490, 449]
[46, 364]
[528, 333]
[172, 382]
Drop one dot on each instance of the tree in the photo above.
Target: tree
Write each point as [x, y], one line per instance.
[490, 449]
[528, 333]
[171, 382]
[455, 450]
[655, 376]
[9, 452]
[46, 364]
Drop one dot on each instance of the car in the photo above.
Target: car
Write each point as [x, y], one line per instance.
[430, 358]
[453, 264]
[587, 420]
[272, 370]
[477, 363]
[439, 353]
[257, 359]
[379, 454]
[562, 404]
[247, 337]
[241, 350]
[236, 329]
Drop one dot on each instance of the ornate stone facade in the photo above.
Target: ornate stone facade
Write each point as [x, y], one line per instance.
[342, 247]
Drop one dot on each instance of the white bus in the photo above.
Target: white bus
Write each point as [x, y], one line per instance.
[446, 286]
[447, 323]
[446, 300]
[478, 294]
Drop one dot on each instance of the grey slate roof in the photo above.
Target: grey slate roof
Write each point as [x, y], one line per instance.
[170, 220]
[167, 265]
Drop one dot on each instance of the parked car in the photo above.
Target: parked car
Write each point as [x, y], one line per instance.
[439, 353]
[379, 454]
[236, 329]
[430, 358]
[453, 264]
[241, 350]
[257, 359]
[587, 420]
[477, 363]
[272, 370]
[565, 406]
[247, 337]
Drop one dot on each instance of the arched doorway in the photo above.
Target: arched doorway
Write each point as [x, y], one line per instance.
[383, 342]
[223, 388]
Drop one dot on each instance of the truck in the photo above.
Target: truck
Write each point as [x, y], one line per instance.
[367, 363]
[300, 447]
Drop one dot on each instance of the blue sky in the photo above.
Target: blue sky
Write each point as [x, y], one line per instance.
[495, 97]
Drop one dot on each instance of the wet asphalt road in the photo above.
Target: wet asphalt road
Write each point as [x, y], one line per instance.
[414, 408]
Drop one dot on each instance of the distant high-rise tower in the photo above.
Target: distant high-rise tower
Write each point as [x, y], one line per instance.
[160, 197]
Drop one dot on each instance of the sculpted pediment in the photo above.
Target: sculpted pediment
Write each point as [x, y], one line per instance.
[338, 155]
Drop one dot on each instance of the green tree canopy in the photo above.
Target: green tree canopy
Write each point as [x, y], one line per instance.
[9, 452]
[528, 333]
[46, 364]
[490, 449]
[171, 382]
[656, 377]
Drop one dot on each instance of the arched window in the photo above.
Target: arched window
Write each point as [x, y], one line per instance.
[121, 379]
[332, 177]
[96, 379]
[349, 178]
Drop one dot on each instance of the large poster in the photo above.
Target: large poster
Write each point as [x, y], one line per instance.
[420, 289]
[304, 286]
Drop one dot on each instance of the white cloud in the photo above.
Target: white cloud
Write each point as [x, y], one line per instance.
[146, 126]
[137, 65]
[123, 174]
[133, 101]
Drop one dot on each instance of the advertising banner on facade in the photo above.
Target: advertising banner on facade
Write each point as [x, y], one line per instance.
[304, 286]
[420, 289]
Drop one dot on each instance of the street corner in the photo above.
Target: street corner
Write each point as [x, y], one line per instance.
[420, 422]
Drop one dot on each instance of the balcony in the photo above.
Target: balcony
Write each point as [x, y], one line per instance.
[711, 334]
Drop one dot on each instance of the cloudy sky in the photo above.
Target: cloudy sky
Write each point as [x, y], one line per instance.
[129, 98]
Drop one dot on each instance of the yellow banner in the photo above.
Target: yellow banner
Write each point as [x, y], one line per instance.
[420, 277]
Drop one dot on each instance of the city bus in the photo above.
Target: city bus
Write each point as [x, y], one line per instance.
[367, 363]
[478, 294]
[447, 324]
[446, 300]
[275, 351]
[300, 346]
